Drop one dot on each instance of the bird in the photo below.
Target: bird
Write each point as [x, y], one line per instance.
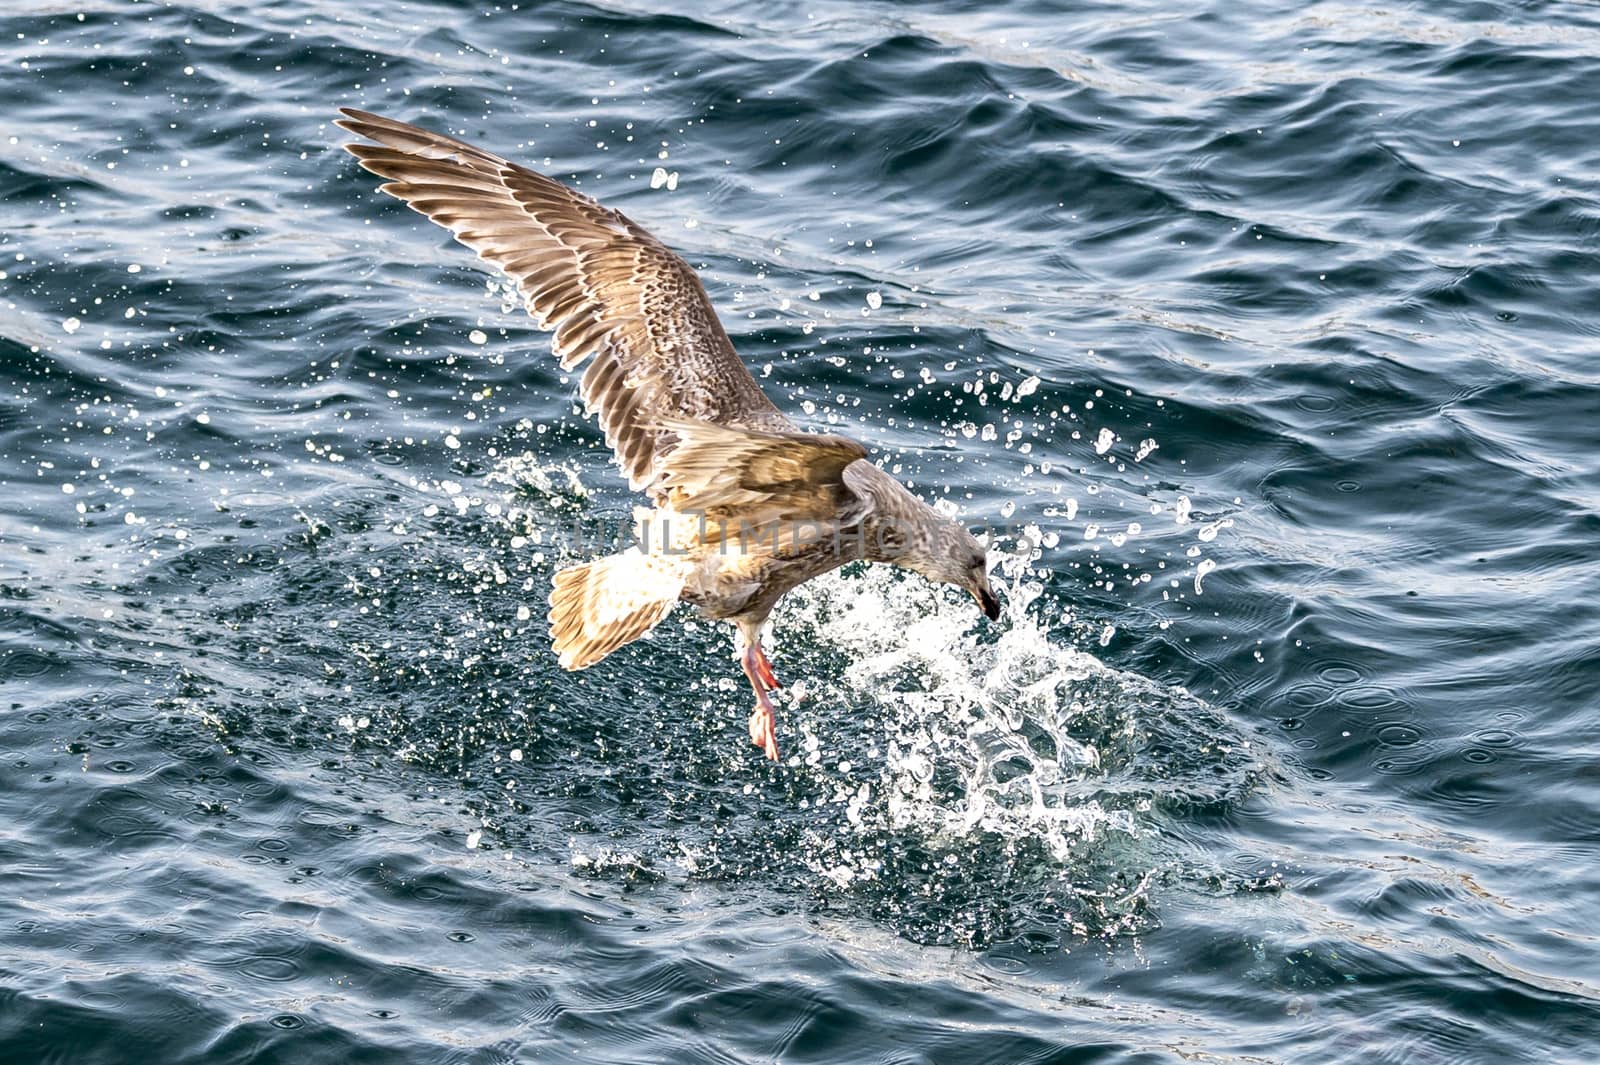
[745, 504]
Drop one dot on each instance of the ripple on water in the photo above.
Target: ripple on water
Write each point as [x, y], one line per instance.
[1309, 696]
[270, 968]
[24, 665]
[1497, 737]
[1402, 766]
[1370, 698]
[272, 955]
[129, 829]
[1005, 963]
[102, 1000]
[1340, 674]
[1398, 734]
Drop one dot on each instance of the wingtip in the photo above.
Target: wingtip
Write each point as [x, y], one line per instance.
[354, 119]
[355, 114]
[351, 123]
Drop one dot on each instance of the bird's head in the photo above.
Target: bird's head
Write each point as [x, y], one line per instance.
[952, 555]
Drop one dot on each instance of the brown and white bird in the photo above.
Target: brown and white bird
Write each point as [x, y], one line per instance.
[746, 505]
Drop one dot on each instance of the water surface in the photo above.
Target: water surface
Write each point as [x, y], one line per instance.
[1267, 334]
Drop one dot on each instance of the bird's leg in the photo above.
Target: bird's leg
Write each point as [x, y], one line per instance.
[763, 666]
[764, 718]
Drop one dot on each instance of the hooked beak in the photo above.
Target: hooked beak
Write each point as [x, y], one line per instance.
[986, 599]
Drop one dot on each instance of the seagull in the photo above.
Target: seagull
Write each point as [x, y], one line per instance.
[745, 505]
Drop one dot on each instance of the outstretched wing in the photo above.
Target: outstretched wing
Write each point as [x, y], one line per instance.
[749, 483]
[613, 293]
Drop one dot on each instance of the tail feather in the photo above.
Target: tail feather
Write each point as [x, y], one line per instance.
[597, 607]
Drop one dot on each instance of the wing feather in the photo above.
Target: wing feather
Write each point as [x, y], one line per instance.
[758, 479]
[607, 287]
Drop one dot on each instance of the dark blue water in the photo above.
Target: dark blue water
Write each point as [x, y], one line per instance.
[1266, 335]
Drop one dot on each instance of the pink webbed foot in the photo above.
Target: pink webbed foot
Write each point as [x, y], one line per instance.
[764, 718]
[764, 727]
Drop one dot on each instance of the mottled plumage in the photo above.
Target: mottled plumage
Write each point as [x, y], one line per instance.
[747, 506]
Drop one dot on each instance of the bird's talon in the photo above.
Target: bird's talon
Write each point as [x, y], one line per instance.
[763, 730]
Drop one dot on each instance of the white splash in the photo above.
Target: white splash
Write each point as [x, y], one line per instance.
[527, 471]
[997, 711]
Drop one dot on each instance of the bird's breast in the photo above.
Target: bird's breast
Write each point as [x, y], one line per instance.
[726, 585]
